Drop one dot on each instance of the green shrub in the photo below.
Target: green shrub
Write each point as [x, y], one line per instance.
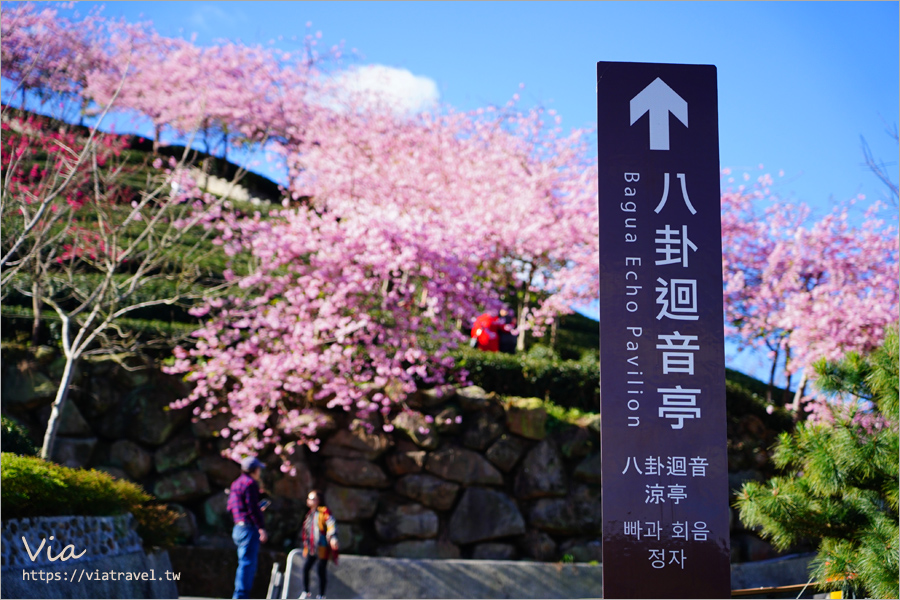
[541, 352]
[568, 383]
[156, 524]
[14, 438]
[32, 487]
[559, 418]
[576, 335]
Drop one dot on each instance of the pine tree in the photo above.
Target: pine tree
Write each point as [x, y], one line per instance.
[840, 482]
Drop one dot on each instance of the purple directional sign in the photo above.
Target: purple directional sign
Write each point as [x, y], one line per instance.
[662, 363]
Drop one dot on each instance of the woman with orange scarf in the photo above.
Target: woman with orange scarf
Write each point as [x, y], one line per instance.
[320, 543]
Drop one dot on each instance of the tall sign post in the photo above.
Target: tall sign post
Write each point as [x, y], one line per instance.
[662, 362]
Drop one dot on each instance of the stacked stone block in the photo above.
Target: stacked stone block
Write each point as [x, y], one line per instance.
[463, 473]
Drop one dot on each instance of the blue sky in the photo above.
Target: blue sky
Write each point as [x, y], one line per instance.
[799, 82]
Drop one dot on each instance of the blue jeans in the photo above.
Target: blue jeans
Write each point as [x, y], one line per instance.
[246, 537]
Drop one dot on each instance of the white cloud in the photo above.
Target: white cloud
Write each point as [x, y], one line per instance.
[209, 17]
[399, 89]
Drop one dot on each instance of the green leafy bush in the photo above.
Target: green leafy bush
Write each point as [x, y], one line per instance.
[568, 383]
[14, 438]
[32, 487]
[156, 524]
[559, 417]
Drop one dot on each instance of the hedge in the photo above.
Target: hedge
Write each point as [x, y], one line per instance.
[575, 384]
[32, 487]
[568, 383]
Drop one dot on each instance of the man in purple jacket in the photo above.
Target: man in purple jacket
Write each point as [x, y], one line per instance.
[249, 527]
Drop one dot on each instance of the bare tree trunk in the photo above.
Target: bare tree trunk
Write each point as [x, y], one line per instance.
[790, 376]
[37, 305]
[770, 389]
[62, 394]
[522, 312]
[798, 396]
[787, 389]
[522, 315]
[155, 138]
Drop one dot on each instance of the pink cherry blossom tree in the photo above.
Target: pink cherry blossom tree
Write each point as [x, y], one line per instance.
[347, 312]
[51, 55]
[522, 194]
[159, 76]
[414, 224]
[806, 289]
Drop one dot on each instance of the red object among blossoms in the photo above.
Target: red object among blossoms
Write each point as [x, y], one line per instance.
[486, 331]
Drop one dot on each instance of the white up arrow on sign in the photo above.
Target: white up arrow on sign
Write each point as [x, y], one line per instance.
[659, 100]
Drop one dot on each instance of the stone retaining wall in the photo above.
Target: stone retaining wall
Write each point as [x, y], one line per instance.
[48, 536]
[81, 557]
[463, 474]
